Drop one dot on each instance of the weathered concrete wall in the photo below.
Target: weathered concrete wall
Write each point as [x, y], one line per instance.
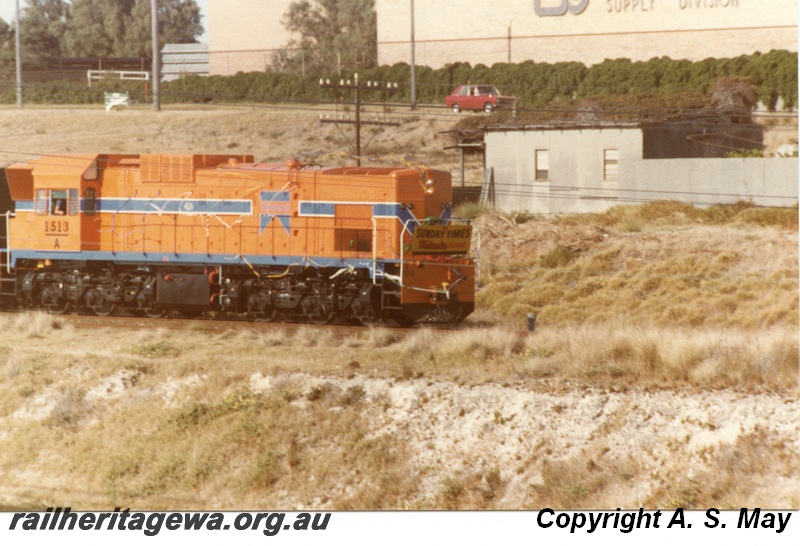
[769, 181]
[582, 30]
[243, 35]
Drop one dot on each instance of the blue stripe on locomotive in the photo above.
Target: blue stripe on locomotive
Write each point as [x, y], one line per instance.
[201, 259]
[113, 205]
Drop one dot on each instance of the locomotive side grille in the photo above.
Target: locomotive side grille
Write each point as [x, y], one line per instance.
[167, 168]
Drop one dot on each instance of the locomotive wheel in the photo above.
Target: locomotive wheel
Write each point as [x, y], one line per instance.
[371, 318]
[315, 310]
[99, 305]
[153, 310]
[268, 315]
[257, 309]
[57, 307]
[52, 302]
[321, 319]
[321, 315]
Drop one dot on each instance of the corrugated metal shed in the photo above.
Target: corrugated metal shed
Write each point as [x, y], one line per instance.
[183, 59]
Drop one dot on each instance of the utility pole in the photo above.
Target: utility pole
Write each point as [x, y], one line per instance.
[413, 63]
[509, 42]
[156, 55]
[357, 88]
[18, 44]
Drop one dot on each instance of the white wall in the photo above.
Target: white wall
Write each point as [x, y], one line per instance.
[576, 173]
[243, 35]
[453, 30]
[576, 161]
[769, 181]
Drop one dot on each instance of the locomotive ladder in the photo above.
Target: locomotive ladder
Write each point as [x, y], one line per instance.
[7, 279]
[390, 299]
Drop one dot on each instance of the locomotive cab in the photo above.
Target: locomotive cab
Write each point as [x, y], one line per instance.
[48, 201]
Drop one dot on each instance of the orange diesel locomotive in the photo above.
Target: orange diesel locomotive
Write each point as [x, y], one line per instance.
[156, 233]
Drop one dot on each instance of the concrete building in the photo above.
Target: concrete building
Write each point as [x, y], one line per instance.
[243, 35]
[588, 31]
[592, 168]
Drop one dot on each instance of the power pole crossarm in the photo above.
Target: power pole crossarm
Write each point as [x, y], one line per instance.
[357, 88]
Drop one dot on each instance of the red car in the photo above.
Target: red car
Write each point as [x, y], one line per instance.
[477, 97]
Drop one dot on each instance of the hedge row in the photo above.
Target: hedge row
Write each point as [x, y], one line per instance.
[774, 74]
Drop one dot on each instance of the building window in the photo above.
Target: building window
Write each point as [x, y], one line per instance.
[542, 165]
[610, 164]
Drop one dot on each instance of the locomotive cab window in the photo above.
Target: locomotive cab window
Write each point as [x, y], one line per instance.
[57, 202]
[89, 201]
[41, 202]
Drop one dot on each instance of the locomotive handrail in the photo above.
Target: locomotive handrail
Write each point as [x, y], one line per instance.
[5, 248]
[403, 249]
[374, 251]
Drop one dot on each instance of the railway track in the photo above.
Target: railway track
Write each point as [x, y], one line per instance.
[222, 324]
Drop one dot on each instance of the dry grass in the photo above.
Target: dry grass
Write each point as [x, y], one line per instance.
[723, 267]
[726, 477]
[734, 476]
[626, 356]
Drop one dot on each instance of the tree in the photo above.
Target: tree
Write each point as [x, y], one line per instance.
[178, 23]
[97, 28]
[43, 24]
[122, 28]
[332, 34]
[7, 54]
